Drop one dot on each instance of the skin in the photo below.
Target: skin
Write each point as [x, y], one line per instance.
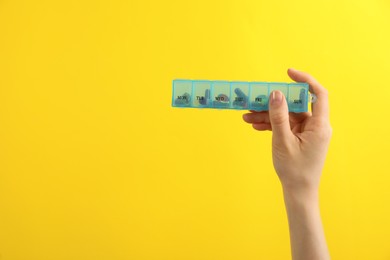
[299, 146]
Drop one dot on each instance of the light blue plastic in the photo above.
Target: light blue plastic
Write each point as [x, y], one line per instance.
[237, 95]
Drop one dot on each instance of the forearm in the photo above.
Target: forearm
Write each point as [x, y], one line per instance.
[306, 232]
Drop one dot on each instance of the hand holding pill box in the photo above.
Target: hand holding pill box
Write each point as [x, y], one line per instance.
[238, 95]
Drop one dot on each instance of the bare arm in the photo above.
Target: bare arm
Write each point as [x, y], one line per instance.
[307, 237]
[299, 147]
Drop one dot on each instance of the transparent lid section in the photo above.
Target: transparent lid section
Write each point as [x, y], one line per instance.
[221, 95]
[182, 93]
[202, 94]
[240, 95]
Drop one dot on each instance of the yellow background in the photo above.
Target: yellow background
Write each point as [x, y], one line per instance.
[95, 164]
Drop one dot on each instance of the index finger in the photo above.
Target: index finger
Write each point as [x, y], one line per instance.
[321, 106]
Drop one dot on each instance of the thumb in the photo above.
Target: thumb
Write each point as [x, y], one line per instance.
[278, 115]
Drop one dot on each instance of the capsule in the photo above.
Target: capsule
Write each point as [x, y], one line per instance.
[241, 100]
[204, 101]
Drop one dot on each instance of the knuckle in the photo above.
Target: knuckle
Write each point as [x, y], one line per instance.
[326, 133]
[278, 119]
[321, 123]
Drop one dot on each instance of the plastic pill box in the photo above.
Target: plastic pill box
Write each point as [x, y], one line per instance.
[237, 95]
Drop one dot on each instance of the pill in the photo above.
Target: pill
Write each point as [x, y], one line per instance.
[183, 99]
[221, 100]
[240, 93]
[205, 98]
[260, 100]
[241, 99]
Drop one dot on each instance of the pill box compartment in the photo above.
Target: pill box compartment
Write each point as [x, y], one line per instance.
[298, 97]
[282, 87]
[221, 94]
[202, 94]
[182, 92]
[240, 95]
[259, 96]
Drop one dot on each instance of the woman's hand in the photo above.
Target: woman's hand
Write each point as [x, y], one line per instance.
[300, 140]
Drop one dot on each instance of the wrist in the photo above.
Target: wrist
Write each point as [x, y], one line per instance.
[301, 196]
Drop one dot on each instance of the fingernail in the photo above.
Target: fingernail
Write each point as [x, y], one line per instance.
[276, 97]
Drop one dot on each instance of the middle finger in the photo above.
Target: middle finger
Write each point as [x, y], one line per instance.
[257, 117]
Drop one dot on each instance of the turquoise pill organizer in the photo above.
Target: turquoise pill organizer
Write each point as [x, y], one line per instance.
[238, 95]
